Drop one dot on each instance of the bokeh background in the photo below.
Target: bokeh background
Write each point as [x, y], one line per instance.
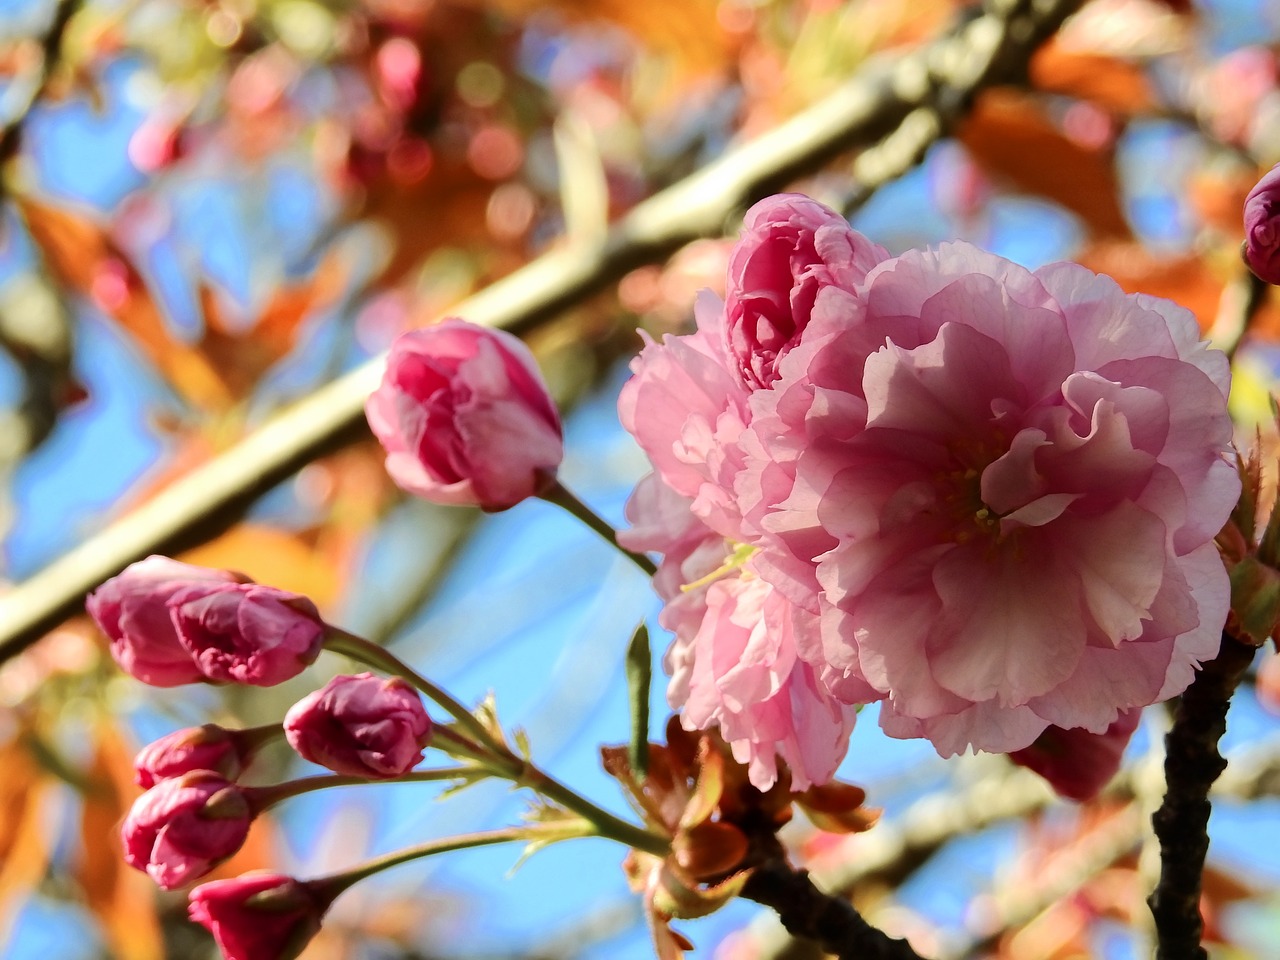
[213, 207]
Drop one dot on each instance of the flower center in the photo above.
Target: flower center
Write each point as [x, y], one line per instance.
[961, 490]
[739, 555]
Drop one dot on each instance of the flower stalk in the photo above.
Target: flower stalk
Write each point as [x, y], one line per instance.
[561, 496]
[331, 886]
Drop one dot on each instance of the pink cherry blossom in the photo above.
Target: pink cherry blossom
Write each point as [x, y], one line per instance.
[247, 632]
[1008, 488]
[983, 495]
[1078, 764]
[733, 662]
[132, 609]
[795, 259]
[182, 828]
[466, 418]
[362, 725]
[259, 915]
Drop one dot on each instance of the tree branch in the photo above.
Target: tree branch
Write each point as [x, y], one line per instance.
[871, 105]
[895, 849]
[806, 911]
[1192, 763]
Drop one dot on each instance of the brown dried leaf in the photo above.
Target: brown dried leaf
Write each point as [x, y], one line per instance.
[1119, 86]
[121, 897]
[1009, 135]
[1186, 280]
[707, 790]
[689, 30]
[709, 849]
[837, 807]
[24, 849]
[680, 897]
[77, 251]
[280, 558]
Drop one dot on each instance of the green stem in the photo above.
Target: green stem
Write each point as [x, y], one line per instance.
[558, 494]
[605, 824]
[502, 762]
[260, 798]
[370, 654]
[253, 739]
[330, 887]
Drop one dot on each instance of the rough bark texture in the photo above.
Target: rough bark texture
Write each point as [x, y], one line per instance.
[830, 921]
[1192, 763]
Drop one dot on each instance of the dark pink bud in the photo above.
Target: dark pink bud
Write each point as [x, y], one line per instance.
[132, 609]
[1262, 227]
[181, 829]
[465, 417]
[247, 633]
[362, 725]
[792, 253]
[259, 916]
[1077, 763]
[209, 747]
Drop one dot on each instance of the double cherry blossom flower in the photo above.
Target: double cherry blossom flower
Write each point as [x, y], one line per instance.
[981, 495]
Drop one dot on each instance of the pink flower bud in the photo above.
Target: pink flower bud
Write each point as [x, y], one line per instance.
[1077, 763]
[181, 829]
[361, 725]
[133, 611]
[1262, 227]
[794, 256]
[208, 747]
[465, 417]
[247, 633]
[259, 915]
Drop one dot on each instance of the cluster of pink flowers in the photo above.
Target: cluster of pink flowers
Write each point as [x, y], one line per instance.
[982, 496]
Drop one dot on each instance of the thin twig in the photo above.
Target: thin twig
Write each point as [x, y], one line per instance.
[1019, 901]
[831, 921]
[1192, 763]
[897, 848]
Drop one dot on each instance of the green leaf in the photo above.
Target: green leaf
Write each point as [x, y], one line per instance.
[639, 674]
[521, 738]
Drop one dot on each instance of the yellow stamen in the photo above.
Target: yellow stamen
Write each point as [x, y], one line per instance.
[742, 552]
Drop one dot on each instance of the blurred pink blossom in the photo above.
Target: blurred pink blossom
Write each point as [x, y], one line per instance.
[465, 417]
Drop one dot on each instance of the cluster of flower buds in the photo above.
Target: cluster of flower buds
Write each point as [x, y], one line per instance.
[466, 419]
[171, 623]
